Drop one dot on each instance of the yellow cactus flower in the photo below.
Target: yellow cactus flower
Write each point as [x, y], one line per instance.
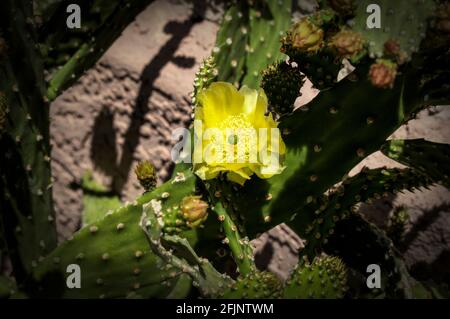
[234, 136]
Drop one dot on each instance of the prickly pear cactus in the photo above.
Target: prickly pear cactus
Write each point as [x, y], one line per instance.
[113, 253]
[257, 285]
[156, 245]
[247, 41]
[325, 277]
[428, 158]
[403, 21]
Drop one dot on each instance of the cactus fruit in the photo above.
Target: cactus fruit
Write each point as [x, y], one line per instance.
[347, 44]
[146, 175]
[343, 7]
[382, 74]
[325, 277]
[282, 83]
[305, 36]
[255, 285]
[194, 210]
[321, 65]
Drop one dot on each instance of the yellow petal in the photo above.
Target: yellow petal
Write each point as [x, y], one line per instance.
[219, 100]
[250, 101]
[206, 172]
[260, 120]
[238, 177]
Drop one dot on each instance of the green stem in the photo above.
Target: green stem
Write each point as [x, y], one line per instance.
[240, 249]
[180, 255]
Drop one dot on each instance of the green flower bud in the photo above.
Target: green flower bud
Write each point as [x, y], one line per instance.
[146, 174]
[194, 210]
[204, 77]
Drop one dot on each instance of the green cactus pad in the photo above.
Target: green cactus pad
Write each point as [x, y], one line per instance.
[247, 41]
[429, 158]
[326, 278]
[27, 208]
[256, 285]
[359, 244]
[404, 21]
[113, 253]
[340, 203]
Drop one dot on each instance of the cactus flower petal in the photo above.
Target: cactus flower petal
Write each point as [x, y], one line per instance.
[246, 141]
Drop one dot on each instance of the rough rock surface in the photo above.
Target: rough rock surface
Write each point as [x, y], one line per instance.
[125, 108]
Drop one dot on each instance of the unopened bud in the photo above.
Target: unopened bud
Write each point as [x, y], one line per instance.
[194, 210]
[146, 174]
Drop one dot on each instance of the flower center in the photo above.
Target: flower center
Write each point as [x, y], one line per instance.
[236, 122]
[241, 138]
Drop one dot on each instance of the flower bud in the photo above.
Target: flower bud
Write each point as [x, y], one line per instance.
[146, 174]
[347, 43]
[306, 36]
[204, 77]
[382, 74]
[194, 210]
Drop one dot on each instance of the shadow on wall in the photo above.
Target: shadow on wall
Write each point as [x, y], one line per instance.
[104, 135]
[104, 145]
